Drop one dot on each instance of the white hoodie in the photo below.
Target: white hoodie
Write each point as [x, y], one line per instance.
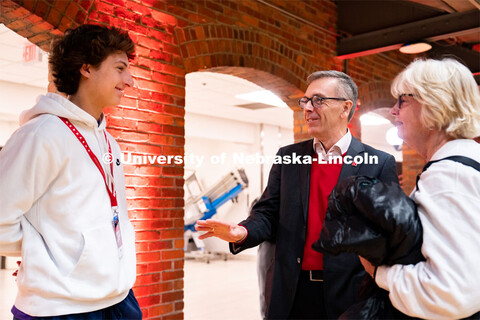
[55, 212]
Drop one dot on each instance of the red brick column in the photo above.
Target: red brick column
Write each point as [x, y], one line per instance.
[150, 121]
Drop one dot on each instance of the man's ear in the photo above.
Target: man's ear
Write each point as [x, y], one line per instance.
[347, 107]
[85, 70]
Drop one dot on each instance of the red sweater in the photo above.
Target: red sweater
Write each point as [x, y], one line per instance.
[323, 178]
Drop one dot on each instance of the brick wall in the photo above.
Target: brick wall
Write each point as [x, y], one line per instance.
[273, 43]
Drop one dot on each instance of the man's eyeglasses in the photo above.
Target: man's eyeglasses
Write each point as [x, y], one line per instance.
[400, 99]
[316, 101]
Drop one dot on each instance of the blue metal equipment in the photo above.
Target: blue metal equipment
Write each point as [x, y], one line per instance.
[207, 202]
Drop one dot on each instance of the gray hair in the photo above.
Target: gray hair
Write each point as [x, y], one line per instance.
[347, 88]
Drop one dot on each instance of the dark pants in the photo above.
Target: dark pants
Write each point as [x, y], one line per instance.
[128, 309]
[309, 302]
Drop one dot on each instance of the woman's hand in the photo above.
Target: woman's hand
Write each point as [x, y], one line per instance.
[369, 268]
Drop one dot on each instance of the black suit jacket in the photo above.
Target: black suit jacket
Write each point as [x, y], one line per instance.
[281, 216]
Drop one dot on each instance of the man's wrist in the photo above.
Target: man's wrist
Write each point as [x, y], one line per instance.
[245, 235]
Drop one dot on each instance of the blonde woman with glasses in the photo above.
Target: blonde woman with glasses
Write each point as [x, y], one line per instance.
[438, 115]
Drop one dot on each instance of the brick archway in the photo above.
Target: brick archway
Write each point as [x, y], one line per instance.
[39, 22]
[375, 95]
[254, 55]
[209, 46]
[372, 96]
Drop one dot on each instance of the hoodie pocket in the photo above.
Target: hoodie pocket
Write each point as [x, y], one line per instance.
[96, 274]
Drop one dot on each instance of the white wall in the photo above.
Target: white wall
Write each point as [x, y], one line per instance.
[8, 124]
[14, 98]
[209, 136]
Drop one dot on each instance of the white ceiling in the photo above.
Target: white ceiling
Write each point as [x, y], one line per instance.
[213, 94]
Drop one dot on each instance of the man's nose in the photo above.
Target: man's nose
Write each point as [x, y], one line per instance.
[309, 106]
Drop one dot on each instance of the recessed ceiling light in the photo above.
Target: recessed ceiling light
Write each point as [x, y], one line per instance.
[414, 48]
[263, 96]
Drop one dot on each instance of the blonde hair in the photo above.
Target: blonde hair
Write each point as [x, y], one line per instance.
[448, 93]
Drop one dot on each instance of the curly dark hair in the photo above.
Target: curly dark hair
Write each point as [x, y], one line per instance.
[86, 44]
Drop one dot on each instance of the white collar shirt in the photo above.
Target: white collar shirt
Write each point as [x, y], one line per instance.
[338, 149]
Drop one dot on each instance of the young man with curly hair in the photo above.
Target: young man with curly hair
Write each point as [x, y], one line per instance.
[64, 210]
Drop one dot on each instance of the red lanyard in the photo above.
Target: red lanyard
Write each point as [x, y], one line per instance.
[111, 190]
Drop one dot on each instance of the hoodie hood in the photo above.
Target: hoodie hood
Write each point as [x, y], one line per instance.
[56, 105]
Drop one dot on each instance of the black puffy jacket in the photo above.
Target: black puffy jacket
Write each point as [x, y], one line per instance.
[379, 222]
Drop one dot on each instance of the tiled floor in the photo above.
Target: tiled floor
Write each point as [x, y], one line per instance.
[218, 290]
[222, 290]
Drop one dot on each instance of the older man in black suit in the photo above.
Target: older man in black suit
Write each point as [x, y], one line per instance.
[305, 284]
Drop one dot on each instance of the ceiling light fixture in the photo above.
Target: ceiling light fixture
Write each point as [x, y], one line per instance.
[263, 96]
[413, 48]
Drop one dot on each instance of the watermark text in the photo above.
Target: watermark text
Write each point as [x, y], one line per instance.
[194, 160]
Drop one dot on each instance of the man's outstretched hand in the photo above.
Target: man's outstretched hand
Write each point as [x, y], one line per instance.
[223, 230]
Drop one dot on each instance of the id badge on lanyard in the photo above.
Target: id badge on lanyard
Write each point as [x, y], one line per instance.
[118, 233]
[110, 187]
